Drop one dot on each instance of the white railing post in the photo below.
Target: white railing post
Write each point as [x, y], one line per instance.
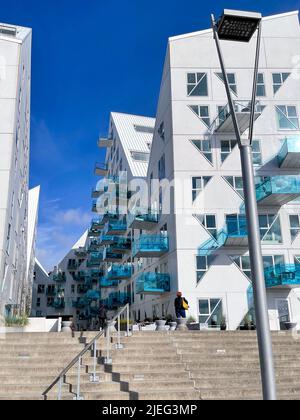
[78, 397]
[119, 345]
[108, 359]
[93, 377]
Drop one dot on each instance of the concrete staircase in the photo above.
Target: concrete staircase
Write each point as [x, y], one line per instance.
[151, 366]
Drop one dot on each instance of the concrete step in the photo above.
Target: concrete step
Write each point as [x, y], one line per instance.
[148, 386]
[143, 376]
[133, 367]
[174, 395]
[46, 380]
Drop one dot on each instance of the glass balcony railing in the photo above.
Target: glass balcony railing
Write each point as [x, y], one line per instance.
[278, 190]
[118, 271]
[106, 239]
[105, 142]
[289, 155]
[101, 169]
[115, 300]
[121, 244]
[97, 224]
[153, 283]
[60, 277]
[93, 295]
[110, 256]
[95, 259]
[115, 228]
[144, 220]
[150, 246]
[94, 245]
[107, 284]
[224, 123]
[283, 275]
[59, 303]
[80, 303]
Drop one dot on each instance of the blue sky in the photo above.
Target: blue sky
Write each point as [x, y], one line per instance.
[91, 57]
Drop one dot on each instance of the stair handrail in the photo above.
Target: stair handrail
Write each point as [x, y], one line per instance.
[78, 358]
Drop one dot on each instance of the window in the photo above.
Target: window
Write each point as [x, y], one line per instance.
[209, 222]
[261, 89]
[41, 289]
[278, 80]
[231, 80]
[202, 266]
[202, 112]
[243, 262]
[227, 147]
[294, 225]
[198, 184]
[256, 152]
[270, 229]
[140, 156]
[237, 184]
[197, 84]
[204, 146]
[8, 237]
[272, 260]
[287, 118]
[144, 129]
[210, 312]
[162, 168]
[161, 131]
[73, 288]
[223, 112]
[38, 302]
[50, 301]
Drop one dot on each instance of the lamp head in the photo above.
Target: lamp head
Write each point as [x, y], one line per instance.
[237, 25]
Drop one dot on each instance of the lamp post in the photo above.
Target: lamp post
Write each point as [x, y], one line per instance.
[240, 26]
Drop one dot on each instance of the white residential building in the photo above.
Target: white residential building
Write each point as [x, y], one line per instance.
[200, 246]
[15, 79]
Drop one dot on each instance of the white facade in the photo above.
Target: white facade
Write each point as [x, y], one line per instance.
[207, 176]
[15, 78]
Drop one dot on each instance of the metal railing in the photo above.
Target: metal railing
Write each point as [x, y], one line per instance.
[60, 379]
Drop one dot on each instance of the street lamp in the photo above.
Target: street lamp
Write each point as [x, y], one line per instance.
[240, 26]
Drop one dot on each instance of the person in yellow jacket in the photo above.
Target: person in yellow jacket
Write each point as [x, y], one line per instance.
[181, 306]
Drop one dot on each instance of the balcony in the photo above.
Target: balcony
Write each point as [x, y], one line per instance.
[115, 228]
[80, 252]
[121, 245]
[105, 142]
[60, 277]
[94, 245]
[101, 169]
[236, 233]
[150, 246]
[289, 155]
[96, 274]
[153, 284]
[283, 276]
[115, 300]
[108, 284]
[59, 303]
[97, 224]
[120, 272]
[224, 123]
[278, 190]
[93, 295]
[107, 239]
[80, 303]
[110, 256]
[142, 220]
[95, 259]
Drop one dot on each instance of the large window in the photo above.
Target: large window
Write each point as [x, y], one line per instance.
[231, 80]
[210, 312]
[294, 225]
[204, 146]
[270, 229]
[198, 185]
[272, 260]
[287, 118]
[243, 262]
[197, 84]
[209, 222]
[227, 147]
[202, 266]
[256, 152]
[237, 184]
[202, 112]
[278, 80]
[162, 167]
[261, 89]
[41, 289]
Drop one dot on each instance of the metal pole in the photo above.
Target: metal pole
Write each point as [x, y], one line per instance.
[258, 279]
[108, 360]
[127, 311]
[93, 377]
[78, 380]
